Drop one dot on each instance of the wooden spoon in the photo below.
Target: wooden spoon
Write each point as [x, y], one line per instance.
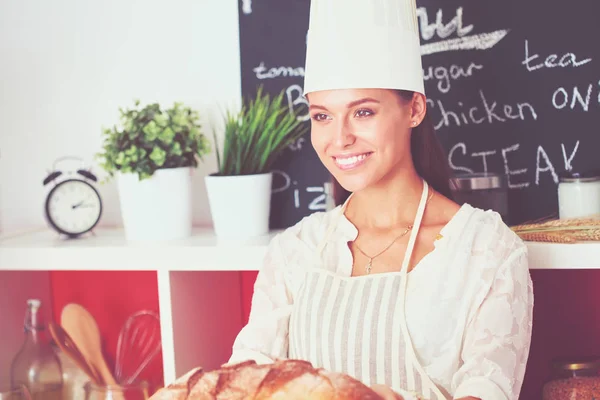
[83, 329]
[66, 344]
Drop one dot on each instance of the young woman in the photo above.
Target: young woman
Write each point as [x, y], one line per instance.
[398, 286]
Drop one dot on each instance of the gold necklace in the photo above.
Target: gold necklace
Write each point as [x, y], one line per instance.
[370, 263]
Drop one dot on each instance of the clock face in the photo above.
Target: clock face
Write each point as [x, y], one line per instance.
[73, 207]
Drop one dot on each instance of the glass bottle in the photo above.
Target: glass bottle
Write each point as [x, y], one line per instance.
[74, 379]
[36, 365]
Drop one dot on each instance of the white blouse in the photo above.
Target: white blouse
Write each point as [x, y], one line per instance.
[469, 302]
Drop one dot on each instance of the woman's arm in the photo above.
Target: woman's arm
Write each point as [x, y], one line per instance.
[496, 346]
[265, 337]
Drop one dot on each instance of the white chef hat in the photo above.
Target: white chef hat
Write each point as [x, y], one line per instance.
[357, 44]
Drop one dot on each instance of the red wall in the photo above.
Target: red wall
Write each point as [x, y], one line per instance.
[111, 297]
[566, 322]
[248, 279]
[566, 319]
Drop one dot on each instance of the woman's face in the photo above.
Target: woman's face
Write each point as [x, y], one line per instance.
[362, 136]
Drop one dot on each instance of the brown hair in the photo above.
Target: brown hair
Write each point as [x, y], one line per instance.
[428, 156]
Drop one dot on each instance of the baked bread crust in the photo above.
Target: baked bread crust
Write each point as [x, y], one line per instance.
[283, 379]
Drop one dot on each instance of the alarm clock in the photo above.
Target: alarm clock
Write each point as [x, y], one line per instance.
[73, 205]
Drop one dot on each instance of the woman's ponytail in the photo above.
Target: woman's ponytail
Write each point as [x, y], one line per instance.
[429, 157]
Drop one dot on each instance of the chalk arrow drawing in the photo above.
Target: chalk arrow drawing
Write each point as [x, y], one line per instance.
[247, 6]
[482, 41]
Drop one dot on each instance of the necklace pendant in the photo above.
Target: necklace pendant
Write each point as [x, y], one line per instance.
[368, 267]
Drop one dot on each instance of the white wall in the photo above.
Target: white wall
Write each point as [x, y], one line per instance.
[66, 66]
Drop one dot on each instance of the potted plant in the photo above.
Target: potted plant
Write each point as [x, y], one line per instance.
[239, 193]
[152, 154]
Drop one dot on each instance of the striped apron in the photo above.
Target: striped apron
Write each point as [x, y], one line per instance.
[357, 325]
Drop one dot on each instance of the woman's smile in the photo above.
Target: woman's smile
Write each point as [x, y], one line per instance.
[351, 161]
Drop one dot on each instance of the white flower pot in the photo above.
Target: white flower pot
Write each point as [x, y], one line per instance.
[158, 208]
[240, 205]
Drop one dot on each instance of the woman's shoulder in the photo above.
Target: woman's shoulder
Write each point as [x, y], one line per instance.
[484, 232]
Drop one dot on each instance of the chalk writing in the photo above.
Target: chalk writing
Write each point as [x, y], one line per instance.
[444, 75]
[277, 176]
[247, 6]
[517, 178]
[489, 114]
[541, 153]
[481, 41]
[297, 144]
[318, 197]
[262, 72]
[566, 60]
[294, 100]
[318, 203]
[443, 30]
[451, 158]
[509, 172]
[483, 155]
[561, 97]
[569, 160]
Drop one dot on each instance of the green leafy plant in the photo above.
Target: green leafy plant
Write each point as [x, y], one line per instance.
[256, 136]
[150, 139]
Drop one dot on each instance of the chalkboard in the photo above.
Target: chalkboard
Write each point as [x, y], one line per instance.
[513, 87]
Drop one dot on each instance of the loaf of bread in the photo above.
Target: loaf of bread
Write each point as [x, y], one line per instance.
[283, 379]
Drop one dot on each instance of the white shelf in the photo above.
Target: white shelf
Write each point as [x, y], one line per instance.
[564, 256]
[108, 249]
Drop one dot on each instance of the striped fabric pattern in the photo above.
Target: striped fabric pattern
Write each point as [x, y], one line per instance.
[350, 325]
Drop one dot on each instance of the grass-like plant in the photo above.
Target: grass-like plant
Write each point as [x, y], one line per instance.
[256, 136]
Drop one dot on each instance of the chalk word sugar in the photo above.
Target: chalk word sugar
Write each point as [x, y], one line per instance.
[444, 75]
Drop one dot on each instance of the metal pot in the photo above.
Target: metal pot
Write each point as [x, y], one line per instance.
[487, 191]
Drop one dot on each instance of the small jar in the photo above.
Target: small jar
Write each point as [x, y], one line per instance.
[487, 191]
[15, 393]
[574, 379]
[579, 194]
[137, 391]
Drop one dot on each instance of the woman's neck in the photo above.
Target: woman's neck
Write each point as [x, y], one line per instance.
[390, 204]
